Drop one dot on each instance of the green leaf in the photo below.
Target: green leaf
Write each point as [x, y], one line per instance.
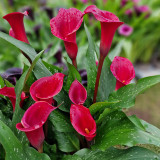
[94, 108]
[117, 129]
[134, 153]
[53, 69]
[90, 67]
[71, 157]
[116, 51]
[2, 84]
[5, 120]
[62, 96]
[8, 84]
[61, 121]
[127, 94]
[73, 74]
[67, 142]
[40, 70]
[107, 82]
[14, 149]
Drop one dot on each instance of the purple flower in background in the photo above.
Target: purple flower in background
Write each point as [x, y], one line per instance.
[125, 30]
[135, 1]
[123, 2]
[142, 9]
[12, 74]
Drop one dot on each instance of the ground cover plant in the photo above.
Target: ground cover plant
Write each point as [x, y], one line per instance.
[58, 113]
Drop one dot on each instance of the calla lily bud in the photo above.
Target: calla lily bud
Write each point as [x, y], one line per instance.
[77, 93]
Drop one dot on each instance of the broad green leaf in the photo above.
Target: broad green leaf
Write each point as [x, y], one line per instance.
[18, 89]
[117, 129]
[5, 120]
[107, 82]
[127, 94]
[73, 74]
[94, 108]
[14, 149]
[63, 97]
[90, 67]
[61, 121]
[71, 157]
[53, 69]
[134, 153]
[40, 70]
[67, 142]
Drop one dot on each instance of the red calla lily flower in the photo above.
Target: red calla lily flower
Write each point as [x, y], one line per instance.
[44, 89]
[82, 121]
[123, 70]
[109, 24]
[33, 120]
[10, 93]
[64, 26]
[15, 20]
[77, 93]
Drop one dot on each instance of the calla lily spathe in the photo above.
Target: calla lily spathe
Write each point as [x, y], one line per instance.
[10, 93]
[123, 71]
[44, 89]
[33, 121]
[64, 26]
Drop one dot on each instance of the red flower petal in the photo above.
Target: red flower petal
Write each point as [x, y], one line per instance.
[109, 24]
[77, 93]
[47, 87]
[123, 70]
[15, 20]
[64, 26]
[33, 120]
[82, 121]
[10, 93]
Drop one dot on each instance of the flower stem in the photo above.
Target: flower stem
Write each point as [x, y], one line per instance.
[98, 77]
[40, 149]
[74, 63]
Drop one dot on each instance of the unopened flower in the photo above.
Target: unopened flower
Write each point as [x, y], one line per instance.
[10, 93]
[33, 121]
[123, 71]
[125, 30]
[77, 93]
[82, 121]
[44, 89]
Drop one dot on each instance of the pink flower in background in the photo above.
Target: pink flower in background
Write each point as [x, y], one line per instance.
[33, 121]
[142, 9]
[125, 30]
[123, 71]
[84, 1]
[129, 12]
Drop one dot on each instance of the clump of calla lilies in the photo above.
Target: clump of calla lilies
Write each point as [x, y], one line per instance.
[34, 122]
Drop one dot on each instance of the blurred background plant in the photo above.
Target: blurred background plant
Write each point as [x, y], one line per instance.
[138, 39]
